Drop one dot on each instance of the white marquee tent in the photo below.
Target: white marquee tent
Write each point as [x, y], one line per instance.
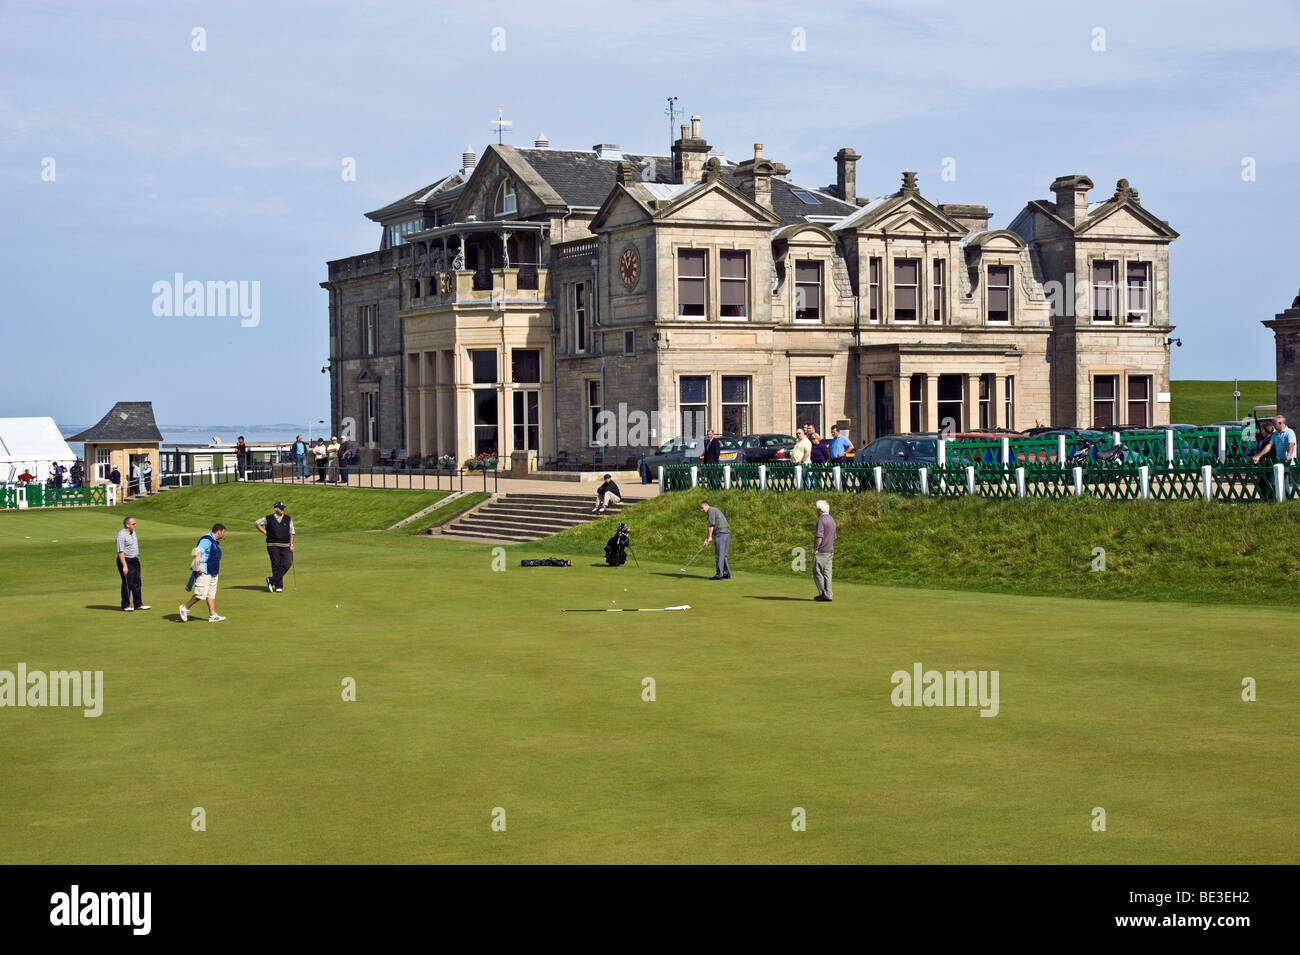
[34, 443]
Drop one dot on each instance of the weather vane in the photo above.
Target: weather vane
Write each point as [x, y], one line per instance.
[501, 124]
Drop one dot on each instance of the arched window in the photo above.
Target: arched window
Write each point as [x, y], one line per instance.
[505, 202]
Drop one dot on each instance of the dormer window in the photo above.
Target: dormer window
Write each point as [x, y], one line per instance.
[999, 290]
[505, 202]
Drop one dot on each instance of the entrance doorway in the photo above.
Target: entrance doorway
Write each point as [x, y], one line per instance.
[884, 398]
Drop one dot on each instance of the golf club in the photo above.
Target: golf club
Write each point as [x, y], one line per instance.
[629, 609]
[693, 556]
[294, 567]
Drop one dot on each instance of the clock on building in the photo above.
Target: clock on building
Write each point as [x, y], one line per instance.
[629, 267]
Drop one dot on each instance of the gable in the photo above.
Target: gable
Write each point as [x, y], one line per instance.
[908, 214]
[1122, 222]
[533, 197]
[619, 209]
[716, 204]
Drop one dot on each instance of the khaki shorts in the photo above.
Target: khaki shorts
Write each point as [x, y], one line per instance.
[205, 587]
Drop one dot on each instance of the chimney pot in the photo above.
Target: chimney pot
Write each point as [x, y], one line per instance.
[758, 150]
[695, 126]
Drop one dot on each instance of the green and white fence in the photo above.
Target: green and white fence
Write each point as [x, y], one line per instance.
[22, 496]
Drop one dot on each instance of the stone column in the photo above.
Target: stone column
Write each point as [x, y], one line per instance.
[997, 418]
[972, 421]
[931, 422]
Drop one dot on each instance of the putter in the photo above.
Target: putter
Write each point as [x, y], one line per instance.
[693, 556]
[295, 577]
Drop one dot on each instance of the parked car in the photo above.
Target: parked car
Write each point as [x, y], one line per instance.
[728, 450]
[900, 448]
[766, 448]
[677, 451]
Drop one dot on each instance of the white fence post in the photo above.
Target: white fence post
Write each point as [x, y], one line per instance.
[879, 474]
[1279, 481]
[839, 482]
[1006, 451]
[21, 500]
[1060, 450]
[1144, 482]
[798, 477]
[1020, 482]
[941, 452]
[1078, 482]
[695, 476]
[925, 481]
[1115, 435]
[1207, 482]
[762, 477]
[1223, 445]
[1169, 446]
[726, 476]
[661, 479]
[970, 479]
[112, 495]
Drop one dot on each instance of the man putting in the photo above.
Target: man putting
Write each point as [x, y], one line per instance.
[207, 564]
[720, 538]
[823, 552]
[277, 528]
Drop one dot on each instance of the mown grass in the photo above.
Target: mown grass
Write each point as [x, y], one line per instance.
[317, 508]
[474, 691]
[1205, 402]
[1154, 550]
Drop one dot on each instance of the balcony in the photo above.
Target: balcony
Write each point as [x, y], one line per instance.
[526, 284]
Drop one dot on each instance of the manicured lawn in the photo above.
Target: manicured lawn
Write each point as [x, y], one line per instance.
[1205, 402]
[474, 691]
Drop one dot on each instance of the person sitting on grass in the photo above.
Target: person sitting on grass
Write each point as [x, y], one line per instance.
[606, 495]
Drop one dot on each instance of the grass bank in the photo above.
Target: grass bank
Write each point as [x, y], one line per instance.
[1205, 402]
[1157, 550]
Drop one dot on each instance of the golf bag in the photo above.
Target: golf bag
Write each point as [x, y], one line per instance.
[616, 546]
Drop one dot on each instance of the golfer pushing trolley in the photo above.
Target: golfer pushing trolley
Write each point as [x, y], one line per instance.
[720, 537]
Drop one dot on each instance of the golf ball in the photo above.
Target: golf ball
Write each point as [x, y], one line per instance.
[336, 606]
[624, 590]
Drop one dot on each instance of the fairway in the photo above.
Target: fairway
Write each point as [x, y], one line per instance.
[474, 692]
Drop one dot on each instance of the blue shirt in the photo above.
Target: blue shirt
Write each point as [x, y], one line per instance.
[1282, 440]
[839, 446]
[209, 555]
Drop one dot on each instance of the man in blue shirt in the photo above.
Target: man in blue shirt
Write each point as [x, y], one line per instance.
[300, 456]
[1281, 443]
[840, 444]
[207, 564]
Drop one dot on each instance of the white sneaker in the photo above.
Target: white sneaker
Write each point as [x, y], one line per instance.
[127, 609]
[144, 607]
[279, 590]
[185, 614]
[216, 618]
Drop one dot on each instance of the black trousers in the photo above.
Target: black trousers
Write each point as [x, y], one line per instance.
[130, 582]
[320, 470]
[281, 561]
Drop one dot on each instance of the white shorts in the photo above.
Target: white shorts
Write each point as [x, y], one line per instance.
[205, 587]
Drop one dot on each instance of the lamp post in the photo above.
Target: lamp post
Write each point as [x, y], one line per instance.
[319, 421]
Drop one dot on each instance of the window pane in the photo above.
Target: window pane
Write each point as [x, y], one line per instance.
[485, 367]
[735, 389]
[1103, 272]
[526, 365]
[694, 389]
[733, 295]
[1104, 386]
[904, 298]
[807, 389]
[690, 262]
[997, 299]
[905, 271]
[808, 272]
[733, 265]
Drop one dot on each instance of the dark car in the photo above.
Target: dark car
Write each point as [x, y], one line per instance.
[677, 451]
[728, 450]
[766, 448]
[900, 448]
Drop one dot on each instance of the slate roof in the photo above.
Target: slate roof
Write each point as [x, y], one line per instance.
[792, 209]
[581, 179]
[128, 421]
[413, 201]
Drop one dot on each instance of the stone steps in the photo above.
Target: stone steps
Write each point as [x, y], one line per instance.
[519, 518]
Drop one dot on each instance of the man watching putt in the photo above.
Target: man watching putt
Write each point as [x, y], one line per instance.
[606, 495]
[277, 528]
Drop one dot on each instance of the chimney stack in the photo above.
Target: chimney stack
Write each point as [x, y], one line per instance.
[1072, 198]
[541, 142]
[754, 177]
[689, 154]
[846, 174]
[467, 159]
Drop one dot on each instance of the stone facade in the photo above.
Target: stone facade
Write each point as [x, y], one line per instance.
[537, 289]
[1286, 336]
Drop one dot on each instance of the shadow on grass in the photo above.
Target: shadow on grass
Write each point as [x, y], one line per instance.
[759, 597]
[115, 609]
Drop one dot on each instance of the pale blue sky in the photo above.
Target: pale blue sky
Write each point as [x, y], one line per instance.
[225, 164]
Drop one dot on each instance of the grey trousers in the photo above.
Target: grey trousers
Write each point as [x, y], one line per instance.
[822, 573]
[721, 544]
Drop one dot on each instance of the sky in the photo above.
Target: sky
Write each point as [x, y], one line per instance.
[139, 140]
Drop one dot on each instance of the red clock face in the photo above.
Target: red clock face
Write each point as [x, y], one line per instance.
[629, 267]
